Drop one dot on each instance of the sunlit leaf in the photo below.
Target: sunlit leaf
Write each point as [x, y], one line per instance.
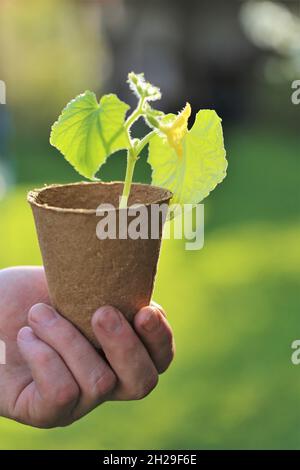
[87, 132]
[194, 171]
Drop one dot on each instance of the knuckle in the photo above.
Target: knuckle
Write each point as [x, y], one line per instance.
[46, 422]
[146, 387]
[66, 394]
[44, 358]
[103, 383]
[131, 350]
[43, 423]
[42, 420]
[69, 335]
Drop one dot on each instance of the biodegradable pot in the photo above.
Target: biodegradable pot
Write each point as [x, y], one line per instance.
[83, 271]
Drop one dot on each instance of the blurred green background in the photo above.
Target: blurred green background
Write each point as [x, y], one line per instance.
[234, 305]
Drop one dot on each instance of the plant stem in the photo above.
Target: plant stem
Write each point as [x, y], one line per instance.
[135, 115]
[144, 142]
[131, 161]
[133, 152]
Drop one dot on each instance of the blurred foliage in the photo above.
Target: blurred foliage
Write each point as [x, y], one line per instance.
[235, 310]
[50, 51]
[275, 26]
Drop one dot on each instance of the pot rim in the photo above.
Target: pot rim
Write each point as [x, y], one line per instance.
[34, 193]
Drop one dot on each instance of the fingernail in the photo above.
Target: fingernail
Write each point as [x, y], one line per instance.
[151, 321]
[42, 314]
[109, 319]
[26, 334]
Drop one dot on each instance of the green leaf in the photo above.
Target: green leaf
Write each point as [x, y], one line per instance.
[87, 132]
[192, 175]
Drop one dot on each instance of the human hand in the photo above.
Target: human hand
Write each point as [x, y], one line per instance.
[53, 375]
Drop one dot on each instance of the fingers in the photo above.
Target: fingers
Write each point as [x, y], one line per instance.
[125, 353]
[91, 372]
[54, 393]
[153, 328]
[135, 357]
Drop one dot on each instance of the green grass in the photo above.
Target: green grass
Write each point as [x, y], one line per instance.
[235, 310]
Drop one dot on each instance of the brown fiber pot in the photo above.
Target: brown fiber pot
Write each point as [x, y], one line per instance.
[83, 272]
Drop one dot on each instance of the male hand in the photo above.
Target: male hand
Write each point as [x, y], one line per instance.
[53, 375]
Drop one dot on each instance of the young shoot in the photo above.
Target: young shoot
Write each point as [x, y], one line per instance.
[188, 162]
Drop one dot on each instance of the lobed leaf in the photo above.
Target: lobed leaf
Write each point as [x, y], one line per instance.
[87, 132]
[194, 171]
